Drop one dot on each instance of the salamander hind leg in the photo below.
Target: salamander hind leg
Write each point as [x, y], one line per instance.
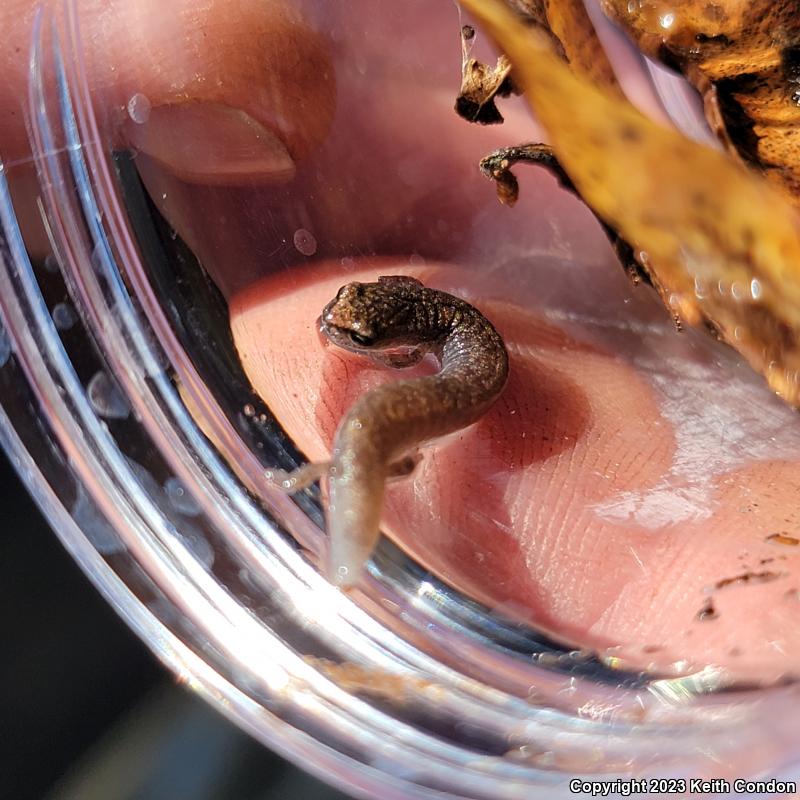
[299, 479]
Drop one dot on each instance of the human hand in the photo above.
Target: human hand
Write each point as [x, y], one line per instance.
[626, 471]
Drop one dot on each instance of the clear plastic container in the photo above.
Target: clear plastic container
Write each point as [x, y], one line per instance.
[128, 415]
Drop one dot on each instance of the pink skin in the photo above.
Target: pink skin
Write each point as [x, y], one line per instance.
[625, 471]
[522, 509]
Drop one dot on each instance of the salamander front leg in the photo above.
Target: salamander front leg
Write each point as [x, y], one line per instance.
[399, 360]
[404, 466]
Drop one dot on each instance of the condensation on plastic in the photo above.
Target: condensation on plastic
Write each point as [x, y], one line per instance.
[207, 574]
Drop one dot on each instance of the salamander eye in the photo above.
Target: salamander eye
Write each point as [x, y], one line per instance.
[360, 340]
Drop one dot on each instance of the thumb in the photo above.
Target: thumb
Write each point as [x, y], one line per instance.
[214, 91]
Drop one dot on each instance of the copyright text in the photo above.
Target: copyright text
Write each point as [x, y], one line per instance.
[698, 786]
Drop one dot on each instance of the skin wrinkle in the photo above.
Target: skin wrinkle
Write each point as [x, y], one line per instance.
[287, 362]
[707, 568]
[580, 556]
[704, 448]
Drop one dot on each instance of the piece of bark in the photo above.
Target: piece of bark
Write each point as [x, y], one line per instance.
[719, 243]
[498, 165]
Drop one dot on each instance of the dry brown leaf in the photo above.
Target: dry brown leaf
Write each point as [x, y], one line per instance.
[570, 24]
[744, 58]
[720, 244]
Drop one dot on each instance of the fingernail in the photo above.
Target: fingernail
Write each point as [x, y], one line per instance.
[208, 143]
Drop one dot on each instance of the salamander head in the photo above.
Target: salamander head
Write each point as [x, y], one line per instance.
[374, 316]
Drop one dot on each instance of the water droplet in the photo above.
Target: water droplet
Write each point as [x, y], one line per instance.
[94, 525]
[666, 21]
[64, 316]
[755, 289]
[180, 499]
[147, 481]
[107, 398]
[699, 289]
[51, 263]
[249, 410]
[360, 63]
[343, 571]
[99, 258]
[139, 108]
[305, 242]
[736, 291]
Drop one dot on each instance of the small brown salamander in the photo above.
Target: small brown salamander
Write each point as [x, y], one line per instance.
[396, 321]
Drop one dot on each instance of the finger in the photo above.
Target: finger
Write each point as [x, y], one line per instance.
[212, 91]
[395, 172]
[577, 503]
[404, 180]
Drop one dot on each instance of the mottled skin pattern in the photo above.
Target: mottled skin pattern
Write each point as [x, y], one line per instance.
[396, 321]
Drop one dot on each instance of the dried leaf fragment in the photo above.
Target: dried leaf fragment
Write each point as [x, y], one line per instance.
[480, 84]
[744, 58]
[720, 244]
